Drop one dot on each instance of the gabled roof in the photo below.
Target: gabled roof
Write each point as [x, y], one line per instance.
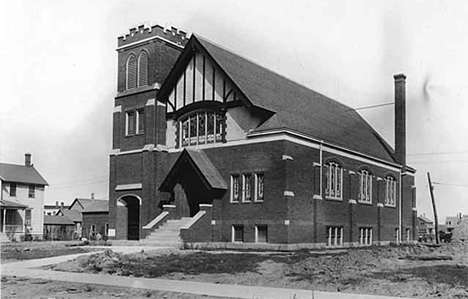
[21, 174]
[427, 220]
[74, 215]
[57, 220]
[83, 203]
[202, 165]
[293, 107]
[97, 206]
[8, 204]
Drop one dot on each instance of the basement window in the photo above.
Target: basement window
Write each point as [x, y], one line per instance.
[237, 233]
[261, 234]
[365, 236]
[334, 235]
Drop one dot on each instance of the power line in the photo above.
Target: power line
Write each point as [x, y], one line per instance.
[373, 106]
[438, 153]
[446, 184]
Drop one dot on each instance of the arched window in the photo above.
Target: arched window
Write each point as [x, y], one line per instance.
[143, 69]
[365, 186]
[390, 191]
[334, 180]
[131, 71]
[201, 128]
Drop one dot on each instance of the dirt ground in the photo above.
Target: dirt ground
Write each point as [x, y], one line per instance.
[23, 288]
[410, 271]
[35, 250]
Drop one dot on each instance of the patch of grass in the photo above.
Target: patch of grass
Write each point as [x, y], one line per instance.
[37, 253]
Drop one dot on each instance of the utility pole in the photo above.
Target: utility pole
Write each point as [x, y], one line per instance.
[431, 188]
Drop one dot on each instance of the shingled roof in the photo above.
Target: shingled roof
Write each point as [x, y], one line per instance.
[21, 174]
[296, 107]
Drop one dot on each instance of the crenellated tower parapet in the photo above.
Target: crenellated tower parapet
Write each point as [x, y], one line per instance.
[143, 32]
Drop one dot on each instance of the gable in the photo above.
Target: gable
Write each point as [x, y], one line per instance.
[200, 80]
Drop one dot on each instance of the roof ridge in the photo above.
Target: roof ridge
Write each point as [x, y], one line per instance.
[268, 69]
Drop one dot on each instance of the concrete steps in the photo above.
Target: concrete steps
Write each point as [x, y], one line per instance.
[167, 234]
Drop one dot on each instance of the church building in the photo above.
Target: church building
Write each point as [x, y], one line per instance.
[233, 154]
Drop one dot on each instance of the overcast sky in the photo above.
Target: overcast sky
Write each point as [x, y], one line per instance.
[59, 63]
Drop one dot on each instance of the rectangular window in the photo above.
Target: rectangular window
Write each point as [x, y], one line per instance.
[130, 123]
[27, 218]
[390, 191]
[237, 233]
[107, 229]
[333, 180]
[247, 187]
[365, 186]
[235, 187]
[140, 121]
[32, 191]
[334, 235]
[261, 232]
[259, 183]
[12, 189]
[365, 236]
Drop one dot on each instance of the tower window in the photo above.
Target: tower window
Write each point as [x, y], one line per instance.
[143, 69]
[131, 71]
[130, 123]
[140, 125]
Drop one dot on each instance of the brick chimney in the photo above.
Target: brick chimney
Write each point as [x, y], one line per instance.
[27, 159]
[400, 119]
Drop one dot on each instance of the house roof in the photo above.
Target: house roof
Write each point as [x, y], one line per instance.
[202, 166]
[8, 204]
[21, 174]
[83, 203]
[451, 218]
[57, 220]
[295, 107]
[423, 218]
[97, 206]
[74, 215]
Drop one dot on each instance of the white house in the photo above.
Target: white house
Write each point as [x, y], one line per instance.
[21, 201]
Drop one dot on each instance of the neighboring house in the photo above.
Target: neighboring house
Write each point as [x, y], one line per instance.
[450, 223]
[426, 228]
[76, 209]
[21, 200]
[249, 155]
[96, 219]
[58, 228]
[53, 209]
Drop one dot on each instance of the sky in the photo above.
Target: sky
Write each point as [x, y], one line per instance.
[59, 76]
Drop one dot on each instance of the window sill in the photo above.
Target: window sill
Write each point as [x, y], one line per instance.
[390, 206]
[333, 198]
[258, 201]
[365, 203]
[236, 202]
[246, 201]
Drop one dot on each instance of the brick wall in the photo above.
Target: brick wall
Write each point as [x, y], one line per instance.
[94, 218]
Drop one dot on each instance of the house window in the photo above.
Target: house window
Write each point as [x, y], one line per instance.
[140, 121]
[130, 123]
[261, 234]
[390, 191]
[12, 189]
[259, 183]
[143, 69]
[235, 187]
[201, 128]
[365, 236]
[32, 191]
[237, 233]
[365, 186]
[131, 72]
[246, 187]
[334, 235]
[27, 217]
[334, 181]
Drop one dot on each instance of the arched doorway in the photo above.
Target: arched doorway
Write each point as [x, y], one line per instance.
[132, 213]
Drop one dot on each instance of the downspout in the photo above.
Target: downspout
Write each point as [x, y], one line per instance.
[321, 167]
[399, 207]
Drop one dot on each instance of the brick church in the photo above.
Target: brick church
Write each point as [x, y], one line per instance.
[244, 156]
